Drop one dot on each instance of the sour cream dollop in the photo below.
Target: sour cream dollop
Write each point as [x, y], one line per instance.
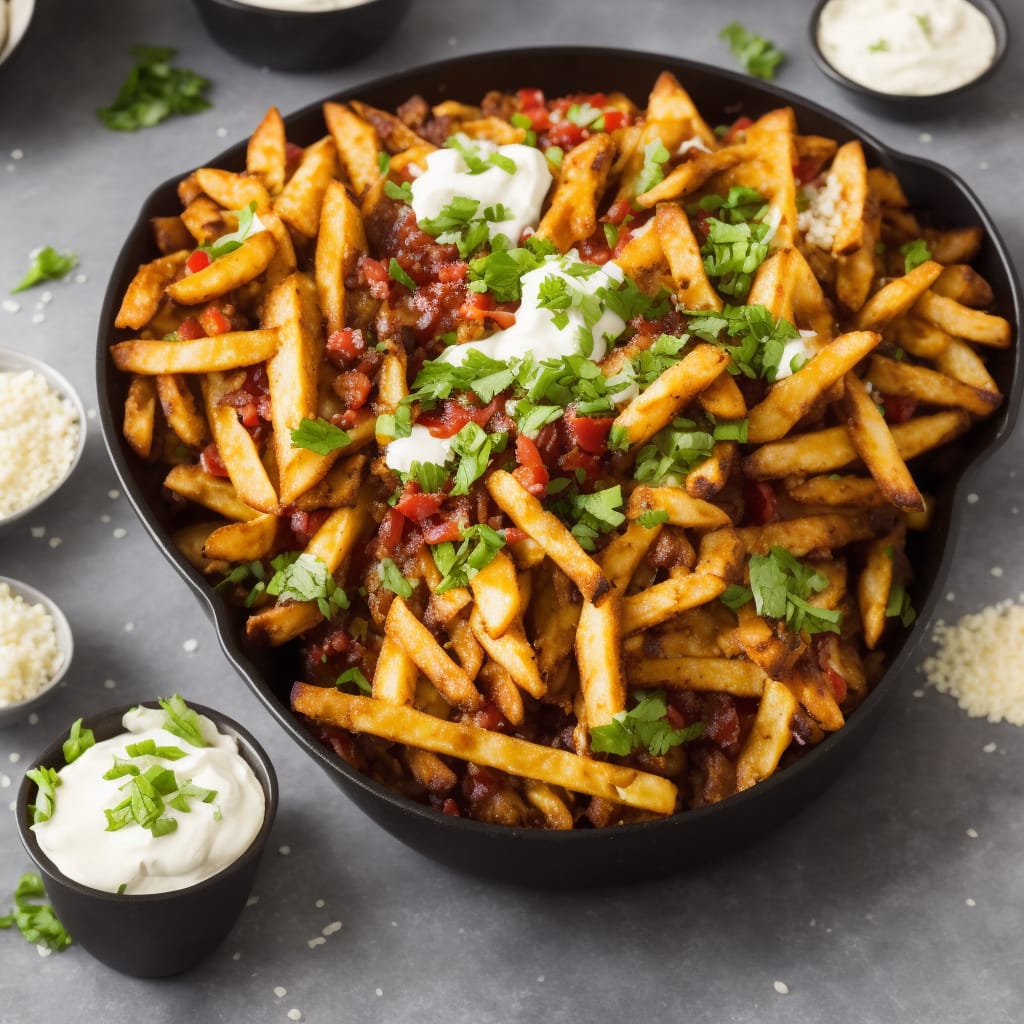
[907, 47]
[208, 838]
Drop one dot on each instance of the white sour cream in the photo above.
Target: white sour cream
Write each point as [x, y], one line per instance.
[522, 192]
[907, 47]
[76, 840]
[304, 5]
[799, 350]
[533, 332]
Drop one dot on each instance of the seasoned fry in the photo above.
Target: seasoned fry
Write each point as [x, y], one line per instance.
[769, 736]
[341, 241]
[962, 321]
[179, 408]
[140, 415]
[299, 203]
[599, 655]
[227, 273]
[204, 355]
[265, 154]
[572, 215]
[245, 541]
[146, 292]
[897, 297]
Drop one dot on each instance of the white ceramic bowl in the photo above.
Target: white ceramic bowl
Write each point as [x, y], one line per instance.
[65, 644]
[16, 362]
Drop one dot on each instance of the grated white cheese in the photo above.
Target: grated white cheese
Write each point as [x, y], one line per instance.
[38, 436]
[821, 220]
[978, 661]
[29, 655]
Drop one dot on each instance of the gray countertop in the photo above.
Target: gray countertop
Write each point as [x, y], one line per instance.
[876, 903]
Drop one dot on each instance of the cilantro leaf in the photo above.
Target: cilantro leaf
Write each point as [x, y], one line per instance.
[672, 453]
[319, 436]
[898, 606]
[644, 727]
[182, 721]
[914, 254]
[230, 242]
[759, 56]
[402, 193]
[47, 265]
[391, 578]
[154, 91]
[459, 565]
[474, 447]
[652, 517]
[781, 585]
[756, 338]
[594, 514]
[353, 677]
[308, 578]
[78, 742]
[36, 921]
[398, 273]
[47, 780]
[733, 250]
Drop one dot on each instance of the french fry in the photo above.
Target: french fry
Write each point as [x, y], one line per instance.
[215, 493]
[850, 170]
[204, 219]
[877, 447]
[265, 153]
[897, 297]
[496, 594]
[874, 584]
[715, 675]
[959, 361]
[512, 651]
[682, 510]
[854, 491]
[226, 273]
[232, 191]
[341, 241]
[300, 201]
[394, 679]
[550, 533]
[829, 531]
[572, 215]
[179, 408]
[965, 285]
[708, 478]
[688, 177]
[656, 407]
[769, 736]
[662, 601]
[357, 145]
[555, 619]
[190, 540]
[140, 415]
[395, 135]
[415, 639]
[920, 339]
[518, 757]
[692, 287]
[790, 399]
[962, 321]
[246, 541]
[930, 387]
[203, 355]
[499, 687]
[599, 656]
[146, 292]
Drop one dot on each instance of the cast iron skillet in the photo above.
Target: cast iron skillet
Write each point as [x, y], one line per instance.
[643, 850]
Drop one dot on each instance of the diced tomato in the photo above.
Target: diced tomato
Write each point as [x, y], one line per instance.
[576, 459]
[565, 134]
[759, 502]
[534, 479]
[451, 807]
[588, 432]
[513, 535]
[199, 260]
[190, 328]
[214, 321]
[292, 153]
[249, 415]
[595, 249]
[806, 170]
[211, 461]
[353, 388]
[837, 682]
[375, 274]
[617, 212]
[531, 98]
[481, 306]
[615, 119]
[898, 408]
[741, 124]
[417, 506]
[702, 227]
[454, 271]
[305, 524]
[451, 416]
[440, 529]
[527, 453]
[549, 443]
[348, 343]
[390, 530]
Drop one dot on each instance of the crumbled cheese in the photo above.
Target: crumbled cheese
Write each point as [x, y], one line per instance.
[781, 987]
[821, 220]
[38, 437]
[330, 929]
[29, 655]
[978, 661]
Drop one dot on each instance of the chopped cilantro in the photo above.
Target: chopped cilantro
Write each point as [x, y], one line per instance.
[353, 677]
[402, 193]
[47, 265]
[182, 721]
[232, 241]
[307, 578]
[672, 453]
[36, 921]
[78, 742]
[759, 56]
[643, 727]
[781, 586]
[459, 565]
[398, 273]
[319, 436]
[391, 578]
[914, 254]
[898, 606]
[652, 517]
[757, 338]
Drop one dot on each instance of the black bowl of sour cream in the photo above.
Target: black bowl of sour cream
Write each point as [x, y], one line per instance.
[151, 840]
[908, 56]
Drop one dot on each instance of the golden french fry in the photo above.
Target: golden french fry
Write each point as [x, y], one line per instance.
[707, 478]
[179, 407]
[855, 491]
[723, 399]
[203, 355]
[963, 322]
[682, 510]
[643, 259]
[548, 801]
[688, 177]
[874, 585]
[673, 390]
[466, 647]
[662, 601]
[717, 675]
[357, 144]
[395, 135]
[554, 619]
[204, 219]
[920, 339]
[892, 377]
[828, 532]
[394, 679]
[246, 541]
[620, 559]
[850, 170]
[954, 245]
[451, 679]
[515, 756]
[226, 273]
[341, 241]
[140, 415]
[790, 399]
[512, 651]
[499, 687]
[897, 297]
[965, 285]
[877, 447]
[769, 736]
[283, 262]
[599, 656]
[146, 292]
[215, 493]
[959, 361]
[692, 287]
[265, 153]
[232, 191]
[300, 201]
[721, 554]
[496, 594]
[550, 533]
[189, 540]
[572, 215]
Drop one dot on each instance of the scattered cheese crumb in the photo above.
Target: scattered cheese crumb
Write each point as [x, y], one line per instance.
[318, 940]
[320, 904]
[33, 719]
[38, 318]
[120, 533]
[38, 437]
[29, 655]
[46, 298]
[55, 542]
[17, 154]
[983, 166]
[280, 991]
[330, 929]
[91, 413]
[996, 571]
[81, 278]
[989, 748]
[105, 518]
[977, 661]
[540, 978]
[972, 833]
[821, 220]
[14, 757]
[781, 987]
[252, 901]
[379, 991]
[972, 499]
[10, 306]
[294, 1015]
[970, 902]
[5, 781]
[918, 694]
[191, 646]
[113, 495]
[236, 956]
[109, 684]
[129, 627]
[950, 596]
[284, 850]
[925, 137]
[38, 531]
[221, 132]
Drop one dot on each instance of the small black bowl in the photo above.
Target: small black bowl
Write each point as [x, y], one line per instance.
[158, 934]
[906, 106]
[290, 40]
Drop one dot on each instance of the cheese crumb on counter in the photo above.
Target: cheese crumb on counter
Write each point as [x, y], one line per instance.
[979, 660]
[38, 437]
[29, 655]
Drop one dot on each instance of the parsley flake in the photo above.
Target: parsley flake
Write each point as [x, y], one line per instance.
[307, 578]
[914, 254]
[36, 921]
[758, 56]
[47, 265]
[391, 578]
[644, 727]
[459, 565]
[319, 436]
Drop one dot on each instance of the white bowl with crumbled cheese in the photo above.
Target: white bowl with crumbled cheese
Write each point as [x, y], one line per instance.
[42, 433]
[35, 648]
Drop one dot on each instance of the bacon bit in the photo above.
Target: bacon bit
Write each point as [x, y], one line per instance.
[211, 461]
[190, 328]
[721, 722]
[353, 388]
[375, 275]
[452, 416]
[199, 260]
[898, 408]
[759, 502]
[391, 529]
[348, 343]
[617, 212]
[513, 535]
[489, 717]
[451, 807]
